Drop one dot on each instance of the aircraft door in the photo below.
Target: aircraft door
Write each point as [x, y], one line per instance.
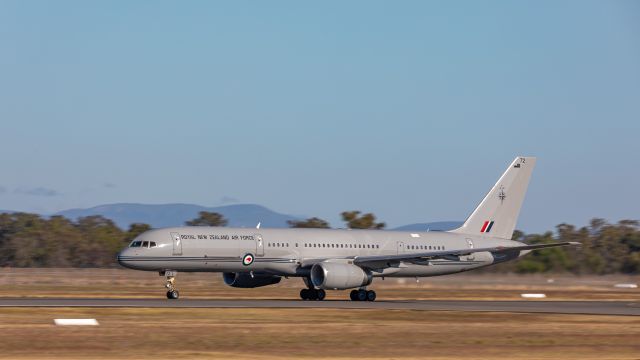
[259, 245]
[400, 247]
[177, 243]
[471, 256]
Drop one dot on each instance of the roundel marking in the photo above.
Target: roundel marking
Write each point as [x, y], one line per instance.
[247, 259]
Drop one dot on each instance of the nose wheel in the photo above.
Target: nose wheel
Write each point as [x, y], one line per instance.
[170, 279]
[362, 295]
[173, 294]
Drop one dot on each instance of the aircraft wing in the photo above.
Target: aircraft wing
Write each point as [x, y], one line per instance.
[386, 260]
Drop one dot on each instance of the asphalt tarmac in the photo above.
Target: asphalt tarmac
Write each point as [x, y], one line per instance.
[522, 306]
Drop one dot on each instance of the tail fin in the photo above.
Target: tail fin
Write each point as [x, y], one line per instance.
[497, 214]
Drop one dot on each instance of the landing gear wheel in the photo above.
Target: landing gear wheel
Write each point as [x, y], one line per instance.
[371, 295]
[362, 295]
[354, 295]
[321, 294]
[304, 294]
[170, 279]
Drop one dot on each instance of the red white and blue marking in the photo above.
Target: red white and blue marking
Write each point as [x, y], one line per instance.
[486, 227]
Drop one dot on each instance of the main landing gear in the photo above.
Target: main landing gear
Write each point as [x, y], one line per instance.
[362, 295]
[170, 277]
[313, 294]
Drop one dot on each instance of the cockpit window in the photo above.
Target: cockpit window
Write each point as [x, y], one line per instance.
[136, 244]
[152, 244]
[145, 244]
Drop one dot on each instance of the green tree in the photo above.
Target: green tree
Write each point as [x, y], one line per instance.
[365, 221]
[206, 218]
[313, 222]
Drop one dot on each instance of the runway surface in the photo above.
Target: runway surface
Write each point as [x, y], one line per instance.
[523, 306]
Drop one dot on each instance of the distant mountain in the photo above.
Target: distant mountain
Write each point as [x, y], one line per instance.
[241, 215]
[433, 226]
[166, 215]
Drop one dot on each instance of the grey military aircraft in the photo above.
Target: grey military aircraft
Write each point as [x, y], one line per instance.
[328, 259]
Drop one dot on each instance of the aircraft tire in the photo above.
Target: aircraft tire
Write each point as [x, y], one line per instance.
[371, 295]
[362, 295]
[304, 294]
[173, 294]
[321, 294]
[354, 295]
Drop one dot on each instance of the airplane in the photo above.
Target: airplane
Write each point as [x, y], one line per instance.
[340, 259]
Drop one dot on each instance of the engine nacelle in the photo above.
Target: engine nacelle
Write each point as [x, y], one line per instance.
[245, 280]
[339, 276]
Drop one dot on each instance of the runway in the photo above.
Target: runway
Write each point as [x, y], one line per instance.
[523, 306]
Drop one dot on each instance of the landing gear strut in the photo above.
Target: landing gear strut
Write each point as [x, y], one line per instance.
[170, 277]
[362, 295]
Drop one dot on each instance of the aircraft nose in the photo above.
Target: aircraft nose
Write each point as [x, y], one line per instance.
[123, 257]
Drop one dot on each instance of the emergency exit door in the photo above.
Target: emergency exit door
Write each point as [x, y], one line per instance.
[259, 245]
[400, 247]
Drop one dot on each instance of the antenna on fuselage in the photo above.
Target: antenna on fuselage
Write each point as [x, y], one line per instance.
[258, 226]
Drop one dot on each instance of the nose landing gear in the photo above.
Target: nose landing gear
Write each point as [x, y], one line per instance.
[170, 278]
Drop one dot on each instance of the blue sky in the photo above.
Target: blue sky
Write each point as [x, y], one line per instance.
[410, 110]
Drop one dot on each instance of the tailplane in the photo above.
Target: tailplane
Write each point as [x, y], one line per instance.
[497, 214]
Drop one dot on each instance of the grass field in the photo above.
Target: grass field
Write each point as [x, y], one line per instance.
[315, 333]
[114, 283]
[163, 333]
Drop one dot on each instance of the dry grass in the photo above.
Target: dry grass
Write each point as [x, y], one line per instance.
[315, 333]
[114, 283]
[29, 333]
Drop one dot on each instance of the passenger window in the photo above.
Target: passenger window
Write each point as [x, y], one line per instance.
[145, 244]
[136, 244]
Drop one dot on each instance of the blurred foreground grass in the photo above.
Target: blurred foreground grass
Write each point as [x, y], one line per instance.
[314, 333]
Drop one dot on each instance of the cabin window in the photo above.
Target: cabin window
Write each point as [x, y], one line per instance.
[136, 243]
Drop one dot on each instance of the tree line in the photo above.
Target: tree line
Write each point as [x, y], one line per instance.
[30, 240]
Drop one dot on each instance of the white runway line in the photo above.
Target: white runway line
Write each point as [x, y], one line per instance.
[81, 322]
[626, 286]
[533, 296]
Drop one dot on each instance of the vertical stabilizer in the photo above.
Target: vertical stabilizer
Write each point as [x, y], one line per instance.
[497, 214]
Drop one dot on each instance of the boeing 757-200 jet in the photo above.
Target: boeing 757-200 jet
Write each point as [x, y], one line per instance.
[329, 259]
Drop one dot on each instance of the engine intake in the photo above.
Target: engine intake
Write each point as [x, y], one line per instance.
[339, 276]
[245, 280]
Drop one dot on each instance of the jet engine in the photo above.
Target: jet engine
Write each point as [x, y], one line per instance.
[245, 280]
[339, 276]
